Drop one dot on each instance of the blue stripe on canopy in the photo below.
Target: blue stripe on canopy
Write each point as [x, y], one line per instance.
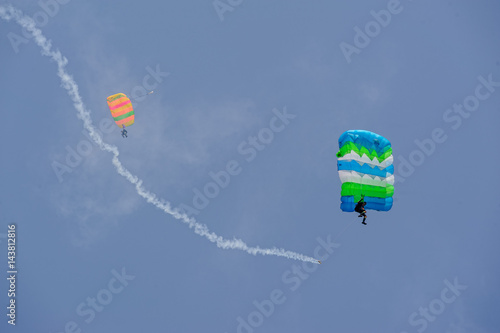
[382, 204]
[369, 140]
[365, 168]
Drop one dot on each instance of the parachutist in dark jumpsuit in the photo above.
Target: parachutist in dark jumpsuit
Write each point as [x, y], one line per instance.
[360, 208]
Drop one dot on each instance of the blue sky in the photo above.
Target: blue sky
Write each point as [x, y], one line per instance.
[78, 231]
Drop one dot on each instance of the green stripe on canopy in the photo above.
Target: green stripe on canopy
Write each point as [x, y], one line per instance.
[123, 116]
[349, 146]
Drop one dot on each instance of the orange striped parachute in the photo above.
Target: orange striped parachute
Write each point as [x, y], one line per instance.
[121, 110]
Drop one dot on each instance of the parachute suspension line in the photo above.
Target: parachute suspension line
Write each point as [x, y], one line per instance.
[361, 189]
[342, 232]
[143, 95]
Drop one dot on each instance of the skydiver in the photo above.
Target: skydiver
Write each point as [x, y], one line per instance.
[124, 132]
[360, 208]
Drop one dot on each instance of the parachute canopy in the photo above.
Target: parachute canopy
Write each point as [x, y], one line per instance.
[121, 109]
[365, 168]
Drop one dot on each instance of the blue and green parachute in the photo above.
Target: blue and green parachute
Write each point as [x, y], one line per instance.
[365, 168]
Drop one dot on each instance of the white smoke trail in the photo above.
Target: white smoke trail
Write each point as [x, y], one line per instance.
[10, 13]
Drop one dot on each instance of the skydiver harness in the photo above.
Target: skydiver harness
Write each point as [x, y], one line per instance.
[124, 132]
[359, 207]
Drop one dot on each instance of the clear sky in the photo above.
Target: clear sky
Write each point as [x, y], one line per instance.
[94, 256]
